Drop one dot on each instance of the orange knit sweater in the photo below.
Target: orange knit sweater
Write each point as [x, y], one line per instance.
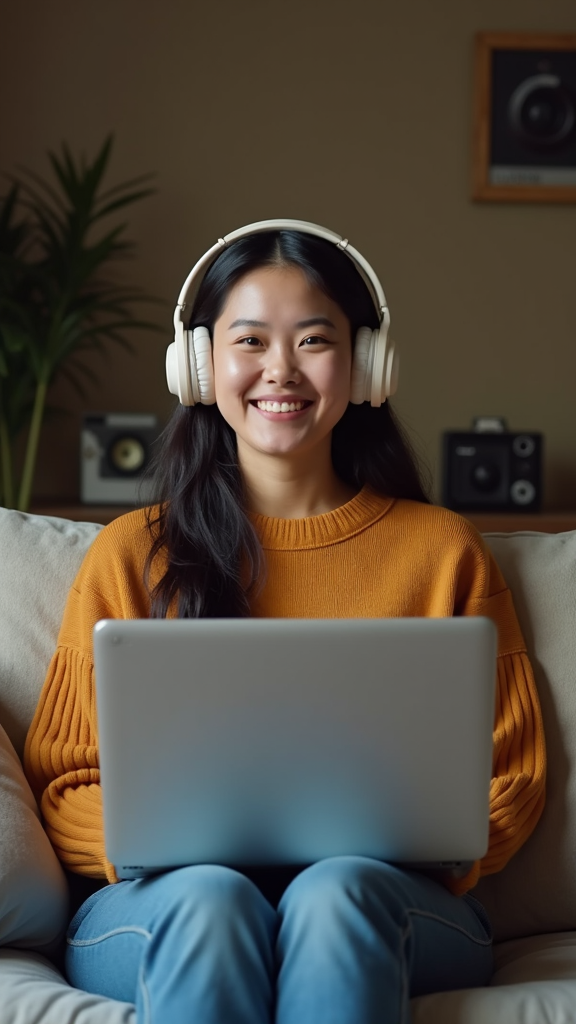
[372, 557]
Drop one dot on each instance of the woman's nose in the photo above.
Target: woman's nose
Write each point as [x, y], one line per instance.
[280, 366]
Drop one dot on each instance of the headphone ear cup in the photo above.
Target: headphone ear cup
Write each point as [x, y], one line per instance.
[189, 366]
[204, 365]
[361, 366]
[386, 364]
[178, 373]
[375, 365]
[391, 369]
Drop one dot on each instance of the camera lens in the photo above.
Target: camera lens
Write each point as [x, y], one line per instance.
[486, 476]
[541, 112]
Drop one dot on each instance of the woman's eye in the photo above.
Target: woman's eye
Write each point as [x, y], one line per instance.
[314, 339]
[251, 342]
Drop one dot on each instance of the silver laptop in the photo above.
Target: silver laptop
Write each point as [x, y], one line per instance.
[284, 741]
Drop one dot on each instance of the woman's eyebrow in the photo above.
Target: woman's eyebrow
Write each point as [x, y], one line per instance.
[323, 321]
[312, 322]
[248, 323]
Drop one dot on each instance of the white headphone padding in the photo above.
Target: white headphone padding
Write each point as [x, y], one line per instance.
[189, 367]
[204, 365]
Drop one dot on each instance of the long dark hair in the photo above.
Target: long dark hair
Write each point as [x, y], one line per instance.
[214, 557]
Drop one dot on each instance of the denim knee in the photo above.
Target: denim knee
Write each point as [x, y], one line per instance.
[359, 936]
[322, 886]
[208, 893]
[212, 893]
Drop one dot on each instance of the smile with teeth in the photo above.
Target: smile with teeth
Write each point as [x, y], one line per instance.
[281, 406]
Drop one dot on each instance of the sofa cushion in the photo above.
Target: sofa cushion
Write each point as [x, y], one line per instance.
[534, 982]
[39, 559]
[33, 991]
[33, 890]
[536, 891]
[533, 1002]
[538, 958]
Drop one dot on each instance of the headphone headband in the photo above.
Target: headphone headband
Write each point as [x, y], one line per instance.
[189, 365]
[183, 309]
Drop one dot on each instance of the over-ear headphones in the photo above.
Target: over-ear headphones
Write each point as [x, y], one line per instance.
[189, 367]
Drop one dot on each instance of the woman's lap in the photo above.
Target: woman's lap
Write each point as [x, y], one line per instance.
[351, 939]
[152, 942]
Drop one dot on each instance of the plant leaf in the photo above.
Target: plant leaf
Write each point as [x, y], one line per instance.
[60, 240]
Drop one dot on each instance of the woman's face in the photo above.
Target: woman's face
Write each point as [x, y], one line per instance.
[282, 362]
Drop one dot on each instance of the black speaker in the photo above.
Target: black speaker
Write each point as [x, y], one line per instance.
[115, 450]
[499, 472]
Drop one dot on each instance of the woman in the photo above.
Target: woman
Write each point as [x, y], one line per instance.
[280, 497]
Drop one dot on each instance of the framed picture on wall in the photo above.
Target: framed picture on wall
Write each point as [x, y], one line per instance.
[524, 147]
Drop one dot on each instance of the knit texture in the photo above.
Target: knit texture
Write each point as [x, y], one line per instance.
[373, 557]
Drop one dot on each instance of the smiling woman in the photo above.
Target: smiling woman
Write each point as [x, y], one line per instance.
[282, 389]
[285, 489]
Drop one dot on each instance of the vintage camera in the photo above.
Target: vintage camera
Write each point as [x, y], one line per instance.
[115, 449]
[533, 128]
[492, 469]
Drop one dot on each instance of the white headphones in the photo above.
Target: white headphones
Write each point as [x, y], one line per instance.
[189, 367]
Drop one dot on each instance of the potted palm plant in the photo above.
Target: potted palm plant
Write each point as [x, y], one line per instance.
[58, 297]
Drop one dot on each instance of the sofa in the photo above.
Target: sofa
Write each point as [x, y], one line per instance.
[532, 903]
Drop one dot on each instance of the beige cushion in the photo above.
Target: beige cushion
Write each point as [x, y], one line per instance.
[32, 991]
[39, 558]
[539, 958]
[536, 892]
[534, 983]
[33, 891]
[535, 1002]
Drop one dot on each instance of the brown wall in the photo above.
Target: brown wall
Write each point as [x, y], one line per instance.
[356, 115]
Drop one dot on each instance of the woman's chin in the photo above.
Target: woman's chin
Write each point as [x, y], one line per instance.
[293, 448]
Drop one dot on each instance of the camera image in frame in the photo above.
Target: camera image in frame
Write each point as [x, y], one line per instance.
[533, 135]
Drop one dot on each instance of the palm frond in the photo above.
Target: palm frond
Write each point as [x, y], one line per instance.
[122, 201]
[58, 294]
[131, 183]
[45, 191]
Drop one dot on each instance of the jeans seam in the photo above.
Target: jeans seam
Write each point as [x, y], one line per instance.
[127, 930]
[108, 935]
[413, 912]
[145, 995]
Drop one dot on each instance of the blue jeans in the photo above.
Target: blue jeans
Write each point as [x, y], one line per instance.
[352, 939]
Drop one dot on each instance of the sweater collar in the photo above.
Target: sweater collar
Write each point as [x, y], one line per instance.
[356, 515]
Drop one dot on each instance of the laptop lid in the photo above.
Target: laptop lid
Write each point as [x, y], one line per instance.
[269, 741]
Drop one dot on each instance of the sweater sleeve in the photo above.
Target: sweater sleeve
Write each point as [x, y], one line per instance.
[61, 753]
[517, 790]
[63, 768]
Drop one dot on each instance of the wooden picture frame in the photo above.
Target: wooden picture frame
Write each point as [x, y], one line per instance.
[486, 177]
